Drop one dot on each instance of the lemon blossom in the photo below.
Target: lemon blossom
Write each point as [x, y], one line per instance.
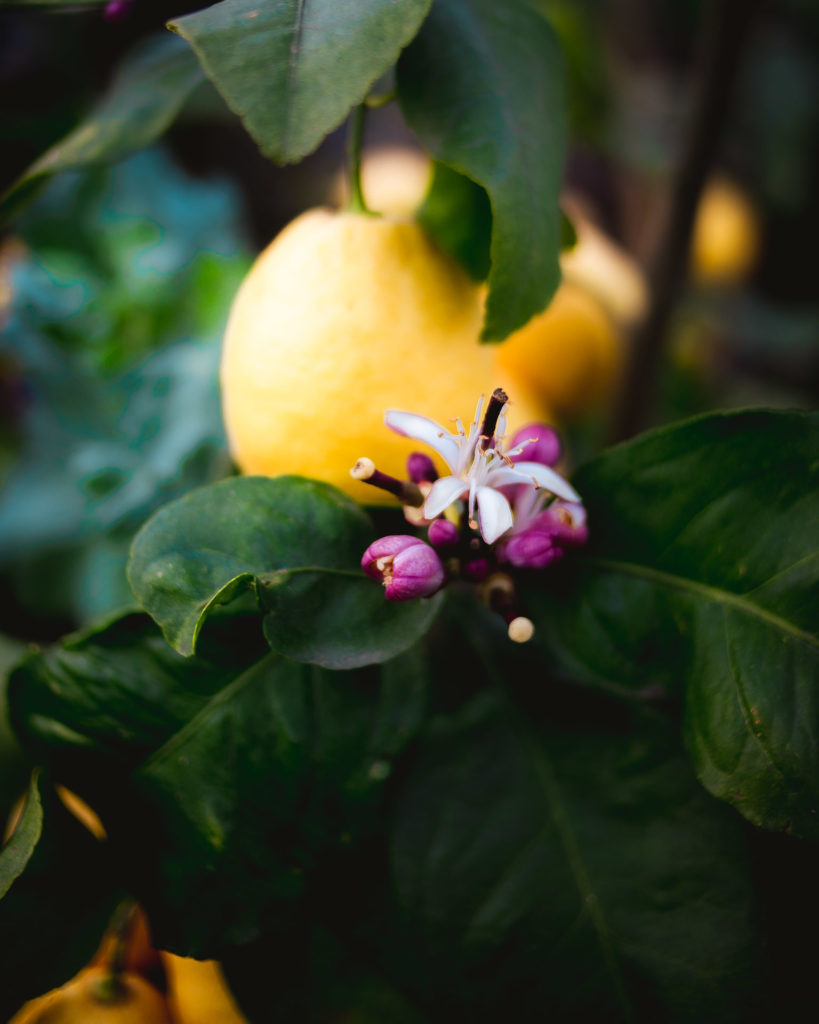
[479, 465]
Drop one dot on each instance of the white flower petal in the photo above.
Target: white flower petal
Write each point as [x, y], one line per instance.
[545, 477]
[421, 428]
[496, 515]
[441, 495]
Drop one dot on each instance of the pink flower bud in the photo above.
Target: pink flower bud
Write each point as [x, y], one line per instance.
[421, 469]
[443, 534]
[407, 567]
[475, 570]
[532, 549]
[546, 447]
[566, 522]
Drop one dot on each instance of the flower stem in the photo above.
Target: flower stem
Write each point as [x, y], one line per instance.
[355, 137]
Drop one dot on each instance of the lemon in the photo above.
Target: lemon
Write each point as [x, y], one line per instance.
[567, 358]
[599, 266]
[725, 242]
[393, 178]
[85, 1000]
[342, 317]
[199, 993]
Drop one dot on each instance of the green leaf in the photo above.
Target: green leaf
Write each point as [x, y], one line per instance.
[282, 769]
[59, 896]
[702, 574]
[18, 849]
[456, 212]
[298, 544]
[141, 102]
[482, 87]
[120, 692]
[572, 873]
[291, 70]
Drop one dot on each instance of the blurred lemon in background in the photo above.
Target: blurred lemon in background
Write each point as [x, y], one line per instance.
[726, 238]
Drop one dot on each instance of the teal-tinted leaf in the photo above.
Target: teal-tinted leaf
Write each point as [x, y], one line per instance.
[293, 70]
[59, 898]
[111, 342]
[281, 769]
[574, 869]
[702, 573]
[456, 212]
[143, 99]
[481, 85]
[298, 543]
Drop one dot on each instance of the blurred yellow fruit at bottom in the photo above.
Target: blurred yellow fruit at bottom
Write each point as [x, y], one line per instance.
[85, 1000]
[198, 993]
[568, 357]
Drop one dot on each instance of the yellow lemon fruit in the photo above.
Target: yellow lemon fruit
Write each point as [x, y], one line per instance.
[597, 265]
[568, 357]
[725, 243]
[394, 180]
[342, 317]
[87, 999]
[199, 993]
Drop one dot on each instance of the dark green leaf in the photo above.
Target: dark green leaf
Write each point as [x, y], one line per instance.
[18, 849]
[283, 767]
[457, 214]
[298, 543]
[292, 70]
[702, 572]
[568, 875]
[482, 87]
[58, 902]
[143, 99]
[119, 692]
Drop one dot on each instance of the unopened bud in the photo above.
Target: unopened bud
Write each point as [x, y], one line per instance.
[443, 535]
[531, 549]
[407, 567]
[421, 469]
[545, 446]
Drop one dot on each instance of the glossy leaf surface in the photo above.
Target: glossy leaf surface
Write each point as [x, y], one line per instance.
[298, 544]
[482, 87]
[292, 70]
[701, 579]
[580, 869]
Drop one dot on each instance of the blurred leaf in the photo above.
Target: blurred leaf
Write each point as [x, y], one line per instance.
[481, 86]
[14, 768]
[298, 544]
[579, 874]
[456, 212]
[142, 100]
[291, 73]
[58, 902]
[702, 570]
[282, 769]
[118, 691]
[109, 427]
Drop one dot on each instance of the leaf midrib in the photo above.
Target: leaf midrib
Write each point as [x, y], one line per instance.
[709, 593]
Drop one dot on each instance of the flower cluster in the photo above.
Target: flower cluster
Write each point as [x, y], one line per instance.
[501, 508]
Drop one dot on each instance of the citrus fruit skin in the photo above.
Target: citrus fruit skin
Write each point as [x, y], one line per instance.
[567, 358]
[342, 317]
[725, 243]
[199, 993]
[79, 1002]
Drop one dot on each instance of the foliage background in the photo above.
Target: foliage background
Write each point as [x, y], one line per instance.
[121, 279]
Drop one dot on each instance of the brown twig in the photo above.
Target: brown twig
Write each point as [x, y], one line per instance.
[723, 43]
